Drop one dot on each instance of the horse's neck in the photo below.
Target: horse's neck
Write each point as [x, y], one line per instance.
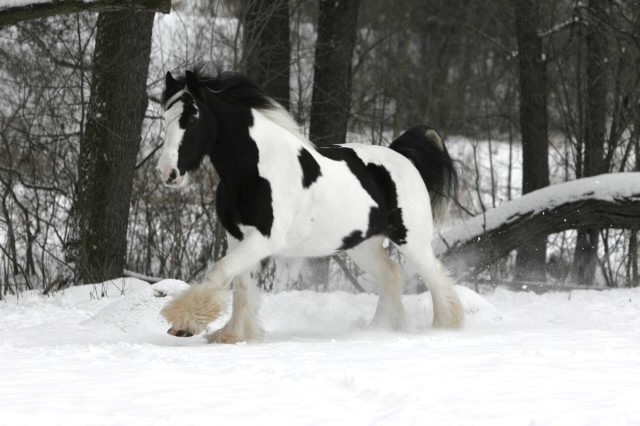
[236, 153]
[277, 130]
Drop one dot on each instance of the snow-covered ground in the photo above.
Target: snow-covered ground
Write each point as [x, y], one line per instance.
[523, 359]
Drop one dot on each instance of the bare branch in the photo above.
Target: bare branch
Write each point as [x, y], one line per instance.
[14, 14]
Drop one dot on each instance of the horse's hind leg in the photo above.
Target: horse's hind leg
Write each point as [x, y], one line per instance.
[243, 324]
[447, 309]
[371, 257]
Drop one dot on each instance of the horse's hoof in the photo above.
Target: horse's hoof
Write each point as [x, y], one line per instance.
[223, 336]
[179, 333]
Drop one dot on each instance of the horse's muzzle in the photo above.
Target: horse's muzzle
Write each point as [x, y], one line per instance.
[173, 178]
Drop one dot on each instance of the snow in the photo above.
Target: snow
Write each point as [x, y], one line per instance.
[99, 355]
[8, 4]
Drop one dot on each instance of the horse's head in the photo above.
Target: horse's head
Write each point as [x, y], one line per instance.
[188, 126]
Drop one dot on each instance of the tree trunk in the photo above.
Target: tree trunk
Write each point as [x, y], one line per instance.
[331, 97]
[530, 261]
[266, 46]
[110, 142]
[585, 257]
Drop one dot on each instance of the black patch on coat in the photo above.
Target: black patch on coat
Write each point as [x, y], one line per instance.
[395, 229]
[310, 168]
[352, 240]
[386, 217]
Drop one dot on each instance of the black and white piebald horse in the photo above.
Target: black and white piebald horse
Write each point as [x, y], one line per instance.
[279, 195]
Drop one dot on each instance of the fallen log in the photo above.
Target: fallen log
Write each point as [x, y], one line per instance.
[604, 201]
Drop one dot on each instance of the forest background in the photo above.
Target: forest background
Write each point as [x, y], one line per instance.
[528, 94]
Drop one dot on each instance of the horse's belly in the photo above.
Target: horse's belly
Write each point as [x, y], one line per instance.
[317, 244]
[316, 236]
[307, 250]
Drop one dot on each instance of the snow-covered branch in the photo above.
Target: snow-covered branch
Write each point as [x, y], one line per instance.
[605, 201]
[14, 11]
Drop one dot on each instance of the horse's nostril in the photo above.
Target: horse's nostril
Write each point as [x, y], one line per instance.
[173, 175]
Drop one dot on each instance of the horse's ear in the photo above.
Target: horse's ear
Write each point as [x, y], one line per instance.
[169, 81]
[192, 82]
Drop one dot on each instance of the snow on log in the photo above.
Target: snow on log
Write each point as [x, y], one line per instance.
[605, 201]
[14, 11]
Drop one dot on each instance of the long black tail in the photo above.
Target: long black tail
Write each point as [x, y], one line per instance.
[425, 148]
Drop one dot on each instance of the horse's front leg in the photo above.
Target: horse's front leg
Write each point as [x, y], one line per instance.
[190, 312]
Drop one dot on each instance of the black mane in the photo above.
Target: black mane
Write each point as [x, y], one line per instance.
[231, 87]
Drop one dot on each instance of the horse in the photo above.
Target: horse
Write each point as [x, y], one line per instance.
[280, 195]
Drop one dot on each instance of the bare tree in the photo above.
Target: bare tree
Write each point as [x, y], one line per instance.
[266, 46]
[596, 47]
[41, 115]
[331, 99]
[530, 263]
